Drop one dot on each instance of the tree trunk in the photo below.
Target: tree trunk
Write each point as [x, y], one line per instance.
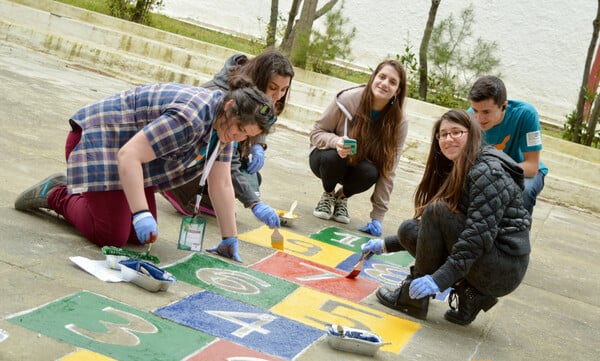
[302, 32]
[425, 47]
[583, 91]
[593, 80]
[272, 29]
[288, 36]
[592, 121]
[140, 10]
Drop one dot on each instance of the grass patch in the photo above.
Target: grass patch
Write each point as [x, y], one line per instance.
[93, 5]
[552, 130]
[189, 30]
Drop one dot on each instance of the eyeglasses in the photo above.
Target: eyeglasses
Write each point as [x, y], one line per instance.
[454, 134]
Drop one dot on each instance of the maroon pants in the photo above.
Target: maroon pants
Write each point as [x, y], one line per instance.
[102, 217]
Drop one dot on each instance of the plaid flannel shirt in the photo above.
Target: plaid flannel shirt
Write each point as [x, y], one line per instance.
[177, 119]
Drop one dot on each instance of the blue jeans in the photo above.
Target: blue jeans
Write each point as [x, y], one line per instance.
[533, 187]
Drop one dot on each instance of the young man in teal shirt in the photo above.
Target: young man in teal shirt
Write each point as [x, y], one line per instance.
[511, 126]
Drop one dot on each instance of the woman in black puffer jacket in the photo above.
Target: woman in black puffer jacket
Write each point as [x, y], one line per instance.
[470, 230]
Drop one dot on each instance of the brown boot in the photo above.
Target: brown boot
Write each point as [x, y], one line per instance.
[469, 301]
[399, 299]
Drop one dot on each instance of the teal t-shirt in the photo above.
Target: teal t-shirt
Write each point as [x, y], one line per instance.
[520, 131]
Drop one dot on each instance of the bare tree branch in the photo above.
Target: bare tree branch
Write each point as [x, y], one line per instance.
[325, 8]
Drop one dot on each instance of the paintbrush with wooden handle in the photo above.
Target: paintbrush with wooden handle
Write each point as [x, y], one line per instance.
[358, 267]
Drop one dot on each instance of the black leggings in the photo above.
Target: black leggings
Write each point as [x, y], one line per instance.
[333, 170]
[430, 241]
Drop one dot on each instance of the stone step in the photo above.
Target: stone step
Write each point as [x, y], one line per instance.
[142, 54]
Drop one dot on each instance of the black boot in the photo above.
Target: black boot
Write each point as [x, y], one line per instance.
[399, 299]
[469, 301]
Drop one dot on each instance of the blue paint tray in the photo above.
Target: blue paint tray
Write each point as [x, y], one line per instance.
[353, 340]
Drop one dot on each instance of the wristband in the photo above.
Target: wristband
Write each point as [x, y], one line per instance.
[138, 212]
[138, 216]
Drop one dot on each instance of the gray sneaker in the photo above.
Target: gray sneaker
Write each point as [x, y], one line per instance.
[37, 196]
[340, 212]
[324, 208]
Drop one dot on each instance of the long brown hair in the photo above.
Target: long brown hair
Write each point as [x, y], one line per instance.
[262, 67]
[443, 179]
[377, 140]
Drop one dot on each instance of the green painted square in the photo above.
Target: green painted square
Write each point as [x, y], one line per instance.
[403, 258]
[352, 241]
[105, 326]
[233, 281]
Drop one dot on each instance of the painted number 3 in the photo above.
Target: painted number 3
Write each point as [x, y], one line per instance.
[117, 334]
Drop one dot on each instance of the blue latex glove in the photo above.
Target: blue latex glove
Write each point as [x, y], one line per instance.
[375, 246]
[144, 225]
[258, 159]
[266, 214]
[227, 248]
[423, 286]
[374, 227]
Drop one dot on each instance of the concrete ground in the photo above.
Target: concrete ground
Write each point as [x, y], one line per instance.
[553, 315]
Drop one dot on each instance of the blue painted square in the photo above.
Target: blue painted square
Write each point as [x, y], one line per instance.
[247, 325]
[387, 274]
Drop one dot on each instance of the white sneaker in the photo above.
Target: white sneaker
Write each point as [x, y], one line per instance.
[324, 208]
[340, 212]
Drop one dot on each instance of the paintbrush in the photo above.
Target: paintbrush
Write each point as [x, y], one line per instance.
[277, 239]
[358, 267]
[153, 238]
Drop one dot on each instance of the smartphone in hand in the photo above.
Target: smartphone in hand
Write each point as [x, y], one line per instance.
[350, 143]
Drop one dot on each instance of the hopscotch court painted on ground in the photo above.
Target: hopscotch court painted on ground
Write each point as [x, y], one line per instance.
[273, 309]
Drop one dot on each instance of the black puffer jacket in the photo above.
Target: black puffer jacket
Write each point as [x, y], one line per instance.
[495, 216]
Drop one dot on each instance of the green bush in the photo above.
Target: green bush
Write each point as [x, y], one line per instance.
[334, 44]
[568, 131]
[452, 67]
[134, 10]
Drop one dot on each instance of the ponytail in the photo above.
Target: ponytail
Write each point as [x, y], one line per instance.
[251, 105]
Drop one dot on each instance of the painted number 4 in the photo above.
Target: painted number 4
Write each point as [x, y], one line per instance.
[246, 328]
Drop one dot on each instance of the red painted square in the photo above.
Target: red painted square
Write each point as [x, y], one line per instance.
[224, 350]
[316, 276]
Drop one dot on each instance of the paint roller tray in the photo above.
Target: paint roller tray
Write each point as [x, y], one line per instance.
[146, 275]
[353, 340]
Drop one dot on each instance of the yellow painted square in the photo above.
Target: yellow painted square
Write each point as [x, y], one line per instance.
[315, 308]
[299, 246]
[86, 355]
